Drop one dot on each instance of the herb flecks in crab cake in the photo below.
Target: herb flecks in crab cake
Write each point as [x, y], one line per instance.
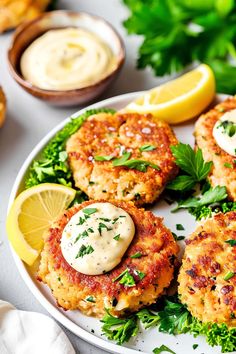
[223, 171]
[122, 157]
[207, 278]
[145, 270]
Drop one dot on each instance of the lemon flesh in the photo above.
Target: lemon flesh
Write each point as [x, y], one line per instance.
[32, 213]
[180, 99]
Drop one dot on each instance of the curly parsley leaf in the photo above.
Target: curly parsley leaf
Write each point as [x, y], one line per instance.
[204, 212]
[173, 318]
[119, 329]
[52, 167]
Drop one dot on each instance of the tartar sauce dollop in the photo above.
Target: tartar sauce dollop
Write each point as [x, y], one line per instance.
[96, 238]
[66, 59]
[224, 132]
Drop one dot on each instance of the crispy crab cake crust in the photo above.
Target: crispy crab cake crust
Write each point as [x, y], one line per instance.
[107, 134]
[207, 260]
[220, 174]
[71, 288]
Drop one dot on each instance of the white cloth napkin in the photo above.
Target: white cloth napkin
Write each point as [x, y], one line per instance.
[24, 332]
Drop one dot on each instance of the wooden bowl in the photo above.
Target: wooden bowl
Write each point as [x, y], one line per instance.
[29, 31]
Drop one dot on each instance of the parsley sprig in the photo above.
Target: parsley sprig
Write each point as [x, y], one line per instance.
[173, 318]
[194, 168]
[177, 33]
[213, 195]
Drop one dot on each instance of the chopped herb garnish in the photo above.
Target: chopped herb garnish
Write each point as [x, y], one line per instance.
[228, 127]
[179, 227]
[162, 348]
[117, 237]
[178, 238]
[195, 346]
[84, 250]
[82, 220]
[137, 196]
[140, 274]
[121, 160]
[90, 230]
[140, 165]
[103, 226]
[147, 147]
[105, 219]
[136, 255]
[229, 275]
[231, 242]
[103, 158]
[82, 235]
[228, 165]
[116, 219]
[90, 299]
[125, 278]
[89, 211]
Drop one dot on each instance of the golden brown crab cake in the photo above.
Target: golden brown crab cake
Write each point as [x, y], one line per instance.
[71, 288]
[207, 278]
[223, 171]
[107, 134]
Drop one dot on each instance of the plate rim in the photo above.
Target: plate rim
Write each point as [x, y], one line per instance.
[22, 268]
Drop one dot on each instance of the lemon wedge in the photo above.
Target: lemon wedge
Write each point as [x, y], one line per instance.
[32, 213]
[180, 99]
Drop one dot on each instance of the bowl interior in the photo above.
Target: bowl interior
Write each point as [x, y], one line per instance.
[29, 31]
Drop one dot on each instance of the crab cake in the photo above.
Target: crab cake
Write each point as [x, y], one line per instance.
[207, 278]
[149, 260]
[223, 171]
[107, 136]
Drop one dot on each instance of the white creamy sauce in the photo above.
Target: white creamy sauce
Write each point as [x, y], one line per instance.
[96, 238]
[66, 59]
[223, 132]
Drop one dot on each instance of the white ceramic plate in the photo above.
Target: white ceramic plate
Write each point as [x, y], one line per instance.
[84, 326]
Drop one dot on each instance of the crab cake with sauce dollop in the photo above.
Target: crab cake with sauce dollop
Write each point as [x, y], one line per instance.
[223, 171]
[143, 271]
[207, 278]
[142, 141]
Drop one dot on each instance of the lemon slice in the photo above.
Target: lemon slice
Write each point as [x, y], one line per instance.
[32, 213]
[180, 99]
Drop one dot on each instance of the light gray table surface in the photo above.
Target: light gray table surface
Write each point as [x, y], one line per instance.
[29, 119]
